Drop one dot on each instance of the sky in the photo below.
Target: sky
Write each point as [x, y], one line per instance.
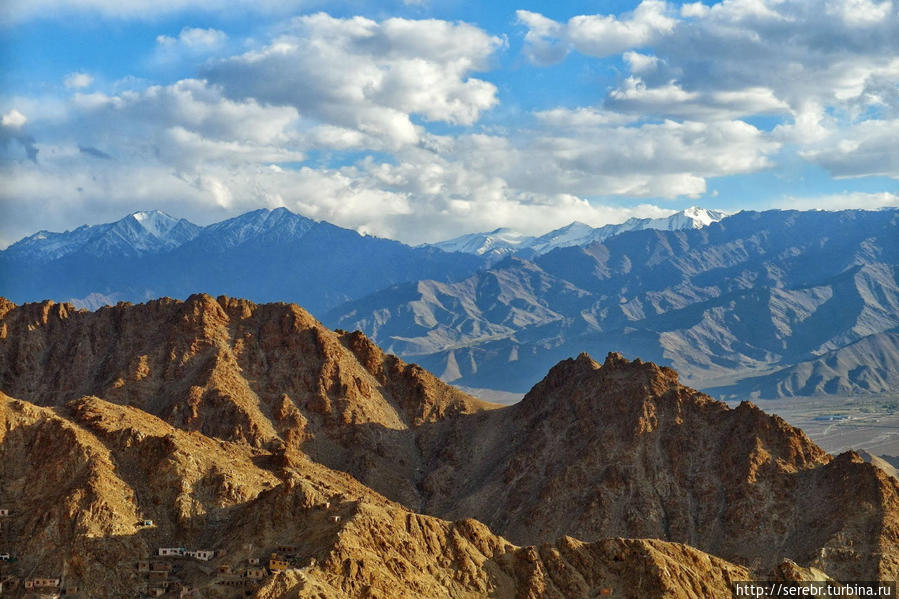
[421, 120]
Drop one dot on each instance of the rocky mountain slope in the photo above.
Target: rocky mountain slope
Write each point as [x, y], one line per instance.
[779, 295]
[252, 429]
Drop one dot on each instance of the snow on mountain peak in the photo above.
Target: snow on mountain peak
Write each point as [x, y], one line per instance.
[155, 222]
[703, 217]
[503, 241]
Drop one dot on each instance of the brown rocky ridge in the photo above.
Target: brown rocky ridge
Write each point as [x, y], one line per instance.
[252, 430]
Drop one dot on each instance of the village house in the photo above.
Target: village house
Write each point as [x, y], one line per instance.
[253, 561]
[4, 512]
[171, 551]
[40, 583]
[161, 567]
[225, 569]
[201, 554]
[276, 564]
[255, 573]
[142, 565]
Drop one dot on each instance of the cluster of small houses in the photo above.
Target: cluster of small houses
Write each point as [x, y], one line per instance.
[159, 573]
[159, 579]
[45, 585]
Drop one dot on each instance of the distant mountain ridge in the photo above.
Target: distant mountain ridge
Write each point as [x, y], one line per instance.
[266, 255]
[766, 304]
[139, 233]
[503, 242]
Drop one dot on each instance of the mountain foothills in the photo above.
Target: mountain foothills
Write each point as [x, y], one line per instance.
[763, 304]
[255, 432]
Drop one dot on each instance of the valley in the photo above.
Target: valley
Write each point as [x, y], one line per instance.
[841, 423]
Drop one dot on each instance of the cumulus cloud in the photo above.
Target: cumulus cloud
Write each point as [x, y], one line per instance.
[358, 74]
[868, 148]
[548, 41]
[189, 122]
[13, 119]
[191, 44]
[829, 69]
[590, 153]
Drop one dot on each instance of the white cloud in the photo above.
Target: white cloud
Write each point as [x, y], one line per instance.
[548, 41]
[78, 80]
[588, 153]
[189, 104]
[859, 13]
[600, 35]
[868, 148]
[192, 43]
[371, 77]
[673, 101]
[829, 69]
[13, 119]
[15, 143]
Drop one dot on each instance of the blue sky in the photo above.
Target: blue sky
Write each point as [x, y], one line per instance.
[424, 120]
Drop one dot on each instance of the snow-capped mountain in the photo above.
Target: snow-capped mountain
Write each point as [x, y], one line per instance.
[501, 242]
[139, 233]
[263, 255]
[275, 225]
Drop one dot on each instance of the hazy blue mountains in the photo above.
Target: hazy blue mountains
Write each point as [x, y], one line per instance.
[264, 255]
[771, 304]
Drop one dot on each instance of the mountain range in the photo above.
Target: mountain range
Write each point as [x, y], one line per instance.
[269, 255]
[763, 304]
[502, 242]
[252, 430]
[756, 304]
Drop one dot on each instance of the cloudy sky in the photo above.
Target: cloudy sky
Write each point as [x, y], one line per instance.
[424, 119]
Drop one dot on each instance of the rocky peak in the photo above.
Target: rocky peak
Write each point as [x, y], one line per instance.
[585, 382]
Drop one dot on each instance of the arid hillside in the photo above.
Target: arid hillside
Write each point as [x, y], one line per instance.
[252, 430]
